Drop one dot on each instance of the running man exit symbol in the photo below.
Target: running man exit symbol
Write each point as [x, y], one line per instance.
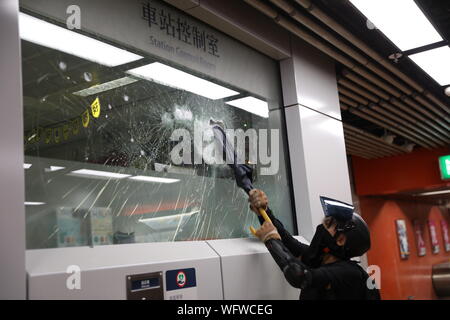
[444, 164]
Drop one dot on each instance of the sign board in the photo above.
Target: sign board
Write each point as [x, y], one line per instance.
[444, 166]
[420, 242]
[156, 28]
[181, 284]
[433, 236]
[147, 286]
[402, 239]
[445, 235]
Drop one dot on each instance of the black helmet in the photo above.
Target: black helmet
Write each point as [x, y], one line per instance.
[351, 224]
[357, 238]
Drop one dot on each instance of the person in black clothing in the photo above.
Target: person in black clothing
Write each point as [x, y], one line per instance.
[323, 270]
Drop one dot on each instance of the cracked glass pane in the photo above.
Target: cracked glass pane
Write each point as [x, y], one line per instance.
[98, 164]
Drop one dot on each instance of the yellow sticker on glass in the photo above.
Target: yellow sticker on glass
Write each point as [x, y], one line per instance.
[95, 108]
[85, 118]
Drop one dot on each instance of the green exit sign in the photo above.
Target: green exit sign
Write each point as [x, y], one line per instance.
[444, 164]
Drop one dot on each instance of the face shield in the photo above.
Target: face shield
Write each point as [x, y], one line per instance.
[339, 210]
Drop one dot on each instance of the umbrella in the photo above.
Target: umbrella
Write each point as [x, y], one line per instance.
[243, 173]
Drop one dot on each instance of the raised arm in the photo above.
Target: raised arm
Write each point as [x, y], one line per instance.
[296, 273]
[258, 199]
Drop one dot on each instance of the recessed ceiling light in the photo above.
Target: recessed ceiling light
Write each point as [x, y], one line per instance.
[99, 174]
[401, 21]
[105, 86]
[52, 36]
[168, 76]
[252, 105]
[29, 203]
[436, 63]
[154, 179]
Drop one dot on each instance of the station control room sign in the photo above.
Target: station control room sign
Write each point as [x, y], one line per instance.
[156, 28]
[179, 36]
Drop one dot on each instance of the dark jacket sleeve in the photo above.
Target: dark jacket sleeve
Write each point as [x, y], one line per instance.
[295, 272]
[293, 245]
[298, 274]
[301, 276]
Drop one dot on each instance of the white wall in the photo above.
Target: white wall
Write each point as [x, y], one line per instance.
[315, 133]
[12, 211]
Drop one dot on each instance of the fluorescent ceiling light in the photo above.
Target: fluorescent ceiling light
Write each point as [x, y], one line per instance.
[168, 76]
[401, 21]
[154, 179]
[54, 168]
[252, 105]
[436, 63]
[27, 165]
[105, 86]
[432, 193]
[173, 216]
[52, 36]
[29, 203]
[97, 173]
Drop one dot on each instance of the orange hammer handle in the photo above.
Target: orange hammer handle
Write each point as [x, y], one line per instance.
[265, 216]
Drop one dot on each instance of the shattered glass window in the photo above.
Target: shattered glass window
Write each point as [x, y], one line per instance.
[98, 145]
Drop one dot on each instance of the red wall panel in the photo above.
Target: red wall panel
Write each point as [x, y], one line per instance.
[402, 279]
[415, 170]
